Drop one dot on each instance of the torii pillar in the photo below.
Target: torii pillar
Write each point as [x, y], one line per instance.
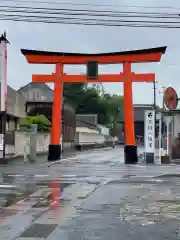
[127, 77]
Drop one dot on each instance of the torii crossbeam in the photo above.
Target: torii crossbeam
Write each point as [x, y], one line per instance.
[127, 77]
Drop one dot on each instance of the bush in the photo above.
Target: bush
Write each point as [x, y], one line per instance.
[43, 124]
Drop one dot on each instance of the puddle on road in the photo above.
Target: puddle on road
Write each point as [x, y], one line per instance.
[30, 195]
[15, 188]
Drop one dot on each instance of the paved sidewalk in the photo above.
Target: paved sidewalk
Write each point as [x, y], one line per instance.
[40, 158]
[34, 218]
[43, 158]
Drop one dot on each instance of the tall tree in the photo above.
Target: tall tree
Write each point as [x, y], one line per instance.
[89, 100]
[116, 109]
[74, 91]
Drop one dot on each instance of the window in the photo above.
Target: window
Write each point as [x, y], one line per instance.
[34, 95]
[43, 97]
[37, 95]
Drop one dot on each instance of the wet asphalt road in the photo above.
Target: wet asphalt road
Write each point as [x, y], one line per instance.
[106, 199]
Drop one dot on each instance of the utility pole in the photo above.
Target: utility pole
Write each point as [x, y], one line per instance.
[163, 108]
[3, 82]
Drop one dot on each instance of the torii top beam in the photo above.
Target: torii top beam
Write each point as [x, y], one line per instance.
[135, 56]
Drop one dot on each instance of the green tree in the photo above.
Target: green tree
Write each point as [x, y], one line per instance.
[74, 91]
[89, 100]
[43, 124]
[116, 107]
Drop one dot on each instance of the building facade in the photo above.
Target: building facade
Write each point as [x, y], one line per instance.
[15, 111]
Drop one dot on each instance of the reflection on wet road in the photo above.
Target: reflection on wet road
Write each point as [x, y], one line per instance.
[90, 196]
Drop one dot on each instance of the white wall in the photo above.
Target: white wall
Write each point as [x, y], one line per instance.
[176, 123]
[85, 135]
[104, 130]
[87, 138]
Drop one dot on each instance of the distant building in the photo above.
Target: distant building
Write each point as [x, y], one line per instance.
[139, 110]
[104, 130]
[15, 111]
[39, 99]
[89, 118]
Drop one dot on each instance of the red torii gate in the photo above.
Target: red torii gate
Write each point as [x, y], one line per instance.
[127, 77]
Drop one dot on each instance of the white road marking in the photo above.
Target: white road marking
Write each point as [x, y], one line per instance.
[23, 200]
[39, 176]
[7, 186]
[15, 175]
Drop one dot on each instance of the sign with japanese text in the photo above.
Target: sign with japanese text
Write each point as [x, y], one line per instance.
[149, 133]
[1, 141]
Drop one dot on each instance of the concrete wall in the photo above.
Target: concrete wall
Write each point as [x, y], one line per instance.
[22, 137]
[83, 135]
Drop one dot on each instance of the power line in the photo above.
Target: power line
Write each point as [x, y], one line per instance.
[84, 19]
[89, 23]
[47, 15]
[44, 16]
[63, 12]
[93, 5]
[75, 12]
[7, 7]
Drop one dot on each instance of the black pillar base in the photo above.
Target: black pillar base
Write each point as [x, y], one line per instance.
[165, 159]
[54, 152]
[130, 154]
[3, 161]
[149, 158]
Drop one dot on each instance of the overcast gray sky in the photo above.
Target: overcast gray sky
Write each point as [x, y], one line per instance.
[94, 39]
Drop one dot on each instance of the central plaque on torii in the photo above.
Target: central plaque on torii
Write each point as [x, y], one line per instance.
[92, 61]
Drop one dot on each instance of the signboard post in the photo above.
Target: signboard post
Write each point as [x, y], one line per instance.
[168, 120]
[149, 137]
[33, 141]
[1, 141]
[159, 118]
